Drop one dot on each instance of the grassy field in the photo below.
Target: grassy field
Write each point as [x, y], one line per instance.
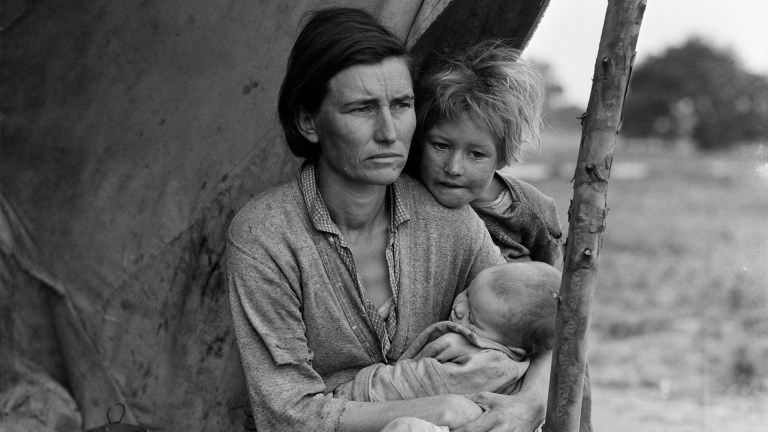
[679, 337]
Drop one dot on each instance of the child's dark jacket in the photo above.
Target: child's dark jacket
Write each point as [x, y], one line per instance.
[529, 228]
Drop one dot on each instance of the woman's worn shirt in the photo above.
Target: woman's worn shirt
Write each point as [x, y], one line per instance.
[477, 364]
[301, 323]
[523, 222]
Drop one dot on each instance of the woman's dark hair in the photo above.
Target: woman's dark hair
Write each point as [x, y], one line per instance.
[332, 40]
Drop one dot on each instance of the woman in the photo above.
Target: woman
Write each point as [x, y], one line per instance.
[344, 265]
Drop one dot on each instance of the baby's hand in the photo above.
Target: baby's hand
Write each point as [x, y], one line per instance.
[447, 347]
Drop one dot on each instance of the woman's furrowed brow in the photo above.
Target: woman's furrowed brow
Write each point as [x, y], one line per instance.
[409, 97]
[405, 97]
[405, 94]
[360, 101]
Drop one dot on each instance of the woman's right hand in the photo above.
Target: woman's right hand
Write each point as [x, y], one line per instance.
[457, 411]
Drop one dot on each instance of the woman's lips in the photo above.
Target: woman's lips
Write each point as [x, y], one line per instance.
[386, 157]
[450, 185]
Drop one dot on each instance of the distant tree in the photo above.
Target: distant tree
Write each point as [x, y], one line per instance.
[554, 89]
[558, 112]
[699, 92]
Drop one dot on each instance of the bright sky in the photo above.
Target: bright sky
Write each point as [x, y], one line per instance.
[569, 35]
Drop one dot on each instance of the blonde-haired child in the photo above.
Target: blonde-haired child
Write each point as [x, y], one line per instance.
[474, 113]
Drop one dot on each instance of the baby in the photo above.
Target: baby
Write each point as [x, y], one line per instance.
[506, 315]
[513, 304]
[473, 115]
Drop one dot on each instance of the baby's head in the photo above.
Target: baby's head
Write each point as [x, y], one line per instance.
[514, 304]
[473, 115]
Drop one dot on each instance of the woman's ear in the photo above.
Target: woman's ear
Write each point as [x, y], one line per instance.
[306, 124]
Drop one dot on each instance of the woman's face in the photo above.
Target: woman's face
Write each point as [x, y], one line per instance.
[365, 123]
[458, 161]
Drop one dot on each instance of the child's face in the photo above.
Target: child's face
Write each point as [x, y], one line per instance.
[458, 161]
[477, 309]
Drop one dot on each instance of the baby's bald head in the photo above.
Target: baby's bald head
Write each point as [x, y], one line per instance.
[522, 300]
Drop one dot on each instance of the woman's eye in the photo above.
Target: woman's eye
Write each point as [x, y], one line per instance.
[440, 146]
[477, 154]
[402, 106]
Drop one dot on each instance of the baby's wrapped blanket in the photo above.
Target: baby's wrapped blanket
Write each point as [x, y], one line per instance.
[446, 358]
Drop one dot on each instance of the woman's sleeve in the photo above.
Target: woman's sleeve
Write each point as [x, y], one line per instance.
[474, 370]
[285, 391]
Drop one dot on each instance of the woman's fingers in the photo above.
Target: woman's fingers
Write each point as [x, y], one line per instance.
[460, 410]
[490, 400]
[503, 413]
[496, 421]
[487, 422]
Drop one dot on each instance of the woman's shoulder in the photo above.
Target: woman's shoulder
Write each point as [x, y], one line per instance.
[269, 213]
[421, 200]
[430, 219]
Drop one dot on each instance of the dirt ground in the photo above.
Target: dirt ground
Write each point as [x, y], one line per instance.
[647, 410]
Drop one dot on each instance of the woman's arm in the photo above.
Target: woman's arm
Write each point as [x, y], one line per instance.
[444, 410]
[457, 367]
[285, 391]
[523, 411]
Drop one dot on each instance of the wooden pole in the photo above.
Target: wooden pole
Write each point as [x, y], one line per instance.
[588, 211]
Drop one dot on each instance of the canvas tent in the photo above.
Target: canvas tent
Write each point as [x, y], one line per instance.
[131, 133]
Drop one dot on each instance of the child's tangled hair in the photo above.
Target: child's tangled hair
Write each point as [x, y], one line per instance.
[492, 85]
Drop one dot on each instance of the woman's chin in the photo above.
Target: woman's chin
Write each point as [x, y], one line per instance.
[383, 177]
[383, 173]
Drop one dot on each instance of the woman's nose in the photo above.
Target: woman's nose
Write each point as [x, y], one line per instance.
[385, 128]
[453, 165]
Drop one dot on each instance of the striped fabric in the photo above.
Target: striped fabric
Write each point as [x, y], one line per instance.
[321, 219]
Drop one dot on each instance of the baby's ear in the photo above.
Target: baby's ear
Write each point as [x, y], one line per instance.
[305, 121]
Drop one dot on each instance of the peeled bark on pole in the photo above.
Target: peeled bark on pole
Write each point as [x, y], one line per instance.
[589, 209]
